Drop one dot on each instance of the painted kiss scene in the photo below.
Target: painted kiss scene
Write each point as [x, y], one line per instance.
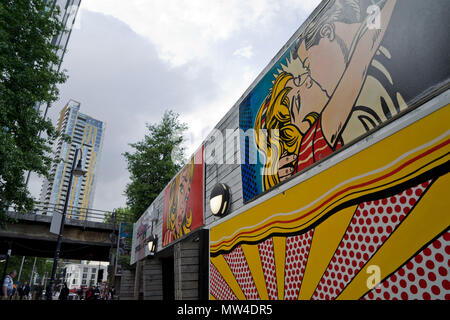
[355, 66]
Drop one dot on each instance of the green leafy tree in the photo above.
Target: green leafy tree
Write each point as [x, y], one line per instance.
[121, 215]
[27, 75]
[43, 266]
[154, 162]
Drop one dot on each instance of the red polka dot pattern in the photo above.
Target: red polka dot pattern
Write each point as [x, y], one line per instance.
[268, 266]
[238, 265]
[297, 250]
[217, 285]
[423, 277]
[372, 223]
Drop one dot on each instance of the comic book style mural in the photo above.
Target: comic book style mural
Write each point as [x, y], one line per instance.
[142, 230]
[376, 224]
[350, 71]
[372, 226]
[183, 201]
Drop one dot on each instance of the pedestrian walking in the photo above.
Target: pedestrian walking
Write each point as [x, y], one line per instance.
[112, 292]
[8, 285]
[48, 294]
[20, 291]
[26, 290]
[90, 295]
[64, 292]
[80, 294]
[38, 292]
[96, 293]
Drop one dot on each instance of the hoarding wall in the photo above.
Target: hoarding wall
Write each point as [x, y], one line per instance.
[345, 178]
[337, 164]
[176, 212]
[349, 72]
[183, 201]
[142, 229]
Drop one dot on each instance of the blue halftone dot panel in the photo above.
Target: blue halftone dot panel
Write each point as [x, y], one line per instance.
[248, 168]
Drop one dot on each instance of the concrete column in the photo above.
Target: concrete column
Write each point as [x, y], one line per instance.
[137, 280]
[186, 265]
[152, 278]
[127, 285]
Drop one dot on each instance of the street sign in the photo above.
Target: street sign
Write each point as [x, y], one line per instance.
[56, 223]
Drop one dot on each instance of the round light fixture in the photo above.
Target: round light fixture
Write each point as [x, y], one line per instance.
[219, 199]
[151, 244]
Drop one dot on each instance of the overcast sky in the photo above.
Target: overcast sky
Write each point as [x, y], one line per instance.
[128, 61]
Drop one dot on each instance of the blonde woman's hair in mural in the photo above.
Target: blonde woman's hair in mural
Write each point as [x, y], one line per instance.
[274, 132]
[173, 203]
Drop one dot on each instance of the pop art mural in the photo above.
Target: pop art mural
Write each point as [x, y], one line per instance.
[183, 201]
[143, 228]
[365, 220]
[348, 73]
[372, 225]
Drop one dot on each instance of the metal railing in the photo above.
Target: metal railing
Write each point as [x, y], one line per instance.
[75, 213]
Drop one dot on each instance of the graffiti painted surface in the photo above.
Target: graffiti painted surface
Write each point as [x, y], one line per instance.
[183, 201]
[373, 226]
[347, 74]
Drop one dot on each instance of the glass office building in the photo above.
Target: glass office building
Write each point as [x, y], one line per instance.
[86, 133]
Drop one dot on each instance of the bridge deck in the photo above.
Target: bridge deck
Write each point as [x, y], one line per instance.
[82, 239]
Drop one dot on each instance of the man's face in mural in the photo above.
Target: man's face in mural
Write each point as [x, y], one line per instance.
[326, 61]
[183, 194]
[305, 97]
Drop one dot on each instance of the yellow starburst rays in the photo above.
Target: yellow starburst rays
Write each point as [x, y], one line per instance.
[292, 66]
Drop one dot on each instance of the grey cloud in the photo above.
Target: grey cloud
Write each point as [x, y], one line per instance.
[119, 79]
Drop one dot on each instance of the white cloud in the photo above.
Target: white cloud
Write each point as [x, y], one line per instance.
[186, 30]
[246, 52]
[193, 64]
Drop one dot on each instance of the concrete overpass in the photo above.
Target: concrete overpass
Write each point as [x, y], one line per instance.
[30, 235]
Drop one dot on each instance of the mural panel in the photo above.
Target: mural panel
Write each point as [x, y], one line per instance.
[183, 201]
[375, 225]
[357, 65]
[142, 230]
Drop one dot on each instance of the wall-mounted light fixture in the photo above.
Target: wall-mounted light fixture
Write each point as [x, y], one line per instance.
[151, 244]
[219, 199]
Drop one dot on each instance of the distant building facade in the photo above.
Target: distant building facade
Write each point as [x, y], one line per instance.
[67, 15]
[85, 274]
[87, 134]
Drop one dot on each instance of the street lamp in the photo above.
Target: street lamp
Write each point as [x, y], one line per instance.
[78, 172]
[219, 200]
[151, 244]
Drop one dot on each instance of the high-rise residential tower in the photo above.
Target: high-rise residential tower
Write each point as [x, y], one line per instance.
[86, 133]
[67, 15]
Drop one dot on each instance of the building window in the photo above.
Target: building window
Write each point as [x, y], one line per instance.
[84, 275]
[85, 269]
